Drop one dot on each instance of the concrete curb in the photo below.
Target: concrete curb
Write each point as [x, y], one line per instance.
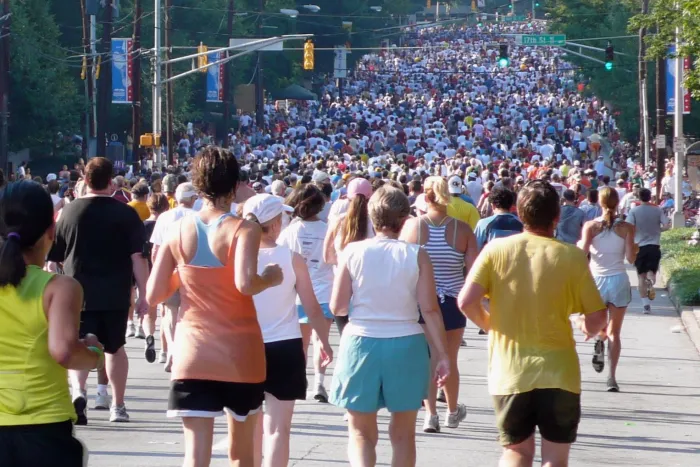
[690, 316]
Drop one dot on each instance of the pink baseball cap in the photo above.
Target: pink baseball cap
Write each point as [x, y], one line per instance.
[359, 186]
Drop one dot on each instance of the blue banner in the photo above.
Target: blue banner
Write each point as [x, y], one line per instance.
[122, 89]
[215, 78]
[671, 84]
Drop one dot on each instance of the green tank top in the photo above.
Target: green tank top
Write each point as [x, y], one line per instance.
[33, 387]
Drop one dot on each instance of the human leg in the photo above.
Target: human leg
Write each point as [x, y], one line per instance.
[555, 454]
[117, 365]
[364, 434]
[617, 316]
[241, 436]
[402, 432]
[454, 341]
[199, 437]
[558, 417]
[277, 422]
[519, 455]
[319, 369]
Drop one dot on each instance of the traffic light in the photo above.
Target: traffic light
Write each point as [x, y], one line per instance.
[83, 72]
[97, 68]
[537, 4]
[510, 6]
[609, 57]
[309, 55]
[202, 60]
[503, 60]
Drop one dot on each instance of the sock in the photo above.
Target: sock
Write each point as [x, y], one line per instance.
[646, 301]
[319, 379]
[102, 389]
[129, 323]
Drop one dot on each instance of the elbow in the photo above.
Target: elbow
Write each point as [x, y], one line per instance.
[246, 286]
[62, 353]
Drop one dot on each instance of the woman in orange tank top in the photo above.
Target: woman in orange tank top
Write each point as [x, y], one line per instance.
[219, 356]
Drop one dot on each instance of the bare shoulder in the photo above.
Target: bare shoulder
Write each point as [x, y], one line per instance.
[62, 284]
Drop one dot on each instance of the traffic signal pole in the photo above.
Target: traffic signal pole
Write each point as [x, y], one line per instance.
[169, 98]
[227, 78]
[259, 91]
[105, 83]
[135, 58]
[157, 98]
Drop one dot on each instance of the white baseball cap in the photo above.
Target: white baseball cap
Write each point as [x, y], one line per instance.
[265, 207]
[455, 185]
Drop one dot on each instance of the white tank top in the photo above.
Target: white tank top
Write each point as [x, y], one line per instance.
[607, 253]
[276, 307]
[384, 276]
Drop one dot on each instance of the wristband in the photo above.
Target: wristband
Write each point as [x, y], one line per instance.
[100, 353]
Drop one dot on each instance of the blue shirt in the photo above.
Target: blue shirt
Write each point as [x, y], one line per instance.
[482, 231]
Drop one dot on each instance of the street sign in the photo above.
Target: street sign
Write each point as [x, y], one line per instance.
[114, 137]
[660, 141]
[540, 39]
[513, 19]
[678, 144]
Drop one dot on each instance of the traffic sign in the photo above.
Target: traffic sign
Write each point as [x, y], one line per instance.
[540, 39]
[513, 19]
[678, 144]
[660, 141]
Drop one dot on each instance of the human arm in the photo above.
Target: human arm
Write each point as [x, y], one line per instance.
[305, 290]
[247, 279]
[593, 316]
[409, 232]
[139, 264]
[164, 280]
[430, 310]
[63, 303]
[586, 237]
[330, 256]
[631, 249]
[471, 250]
[342, 289]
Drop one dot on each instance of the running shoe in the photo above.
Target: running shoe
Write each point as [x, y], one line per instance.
[163, 357]
[651, 292]
[612, 385]
[130, 329]
[646, 310]
[150, 350]
[140, 334]
[80, 406]
[118, 414]
[102, 402]
[441, 396]
[454, 419]
[431, 424]
[321, 394]
[482, 332]
[463, 343]
[599, 355]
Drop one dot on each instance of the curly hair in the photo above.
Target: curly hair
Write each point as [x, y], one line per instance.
[215, 173]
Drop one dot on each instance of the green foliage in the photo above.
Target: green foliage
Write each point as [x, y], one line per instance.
[681, 266]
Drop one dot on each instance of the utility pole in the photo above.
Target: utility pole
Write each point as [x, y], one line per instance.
[643, 110]
[169, 102]
[136, 81]
[660, 121]
[4, 83]
[678, 217]
[88, 78]
[341, 81]
[105, 90]
[259, 91]
[157, 98]
[227, 79]
[93, 73]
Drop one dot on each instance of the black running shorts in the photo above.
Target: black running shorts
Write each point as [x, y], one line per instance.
[50, 444]
[286, 370]
[209, 399]
[648, 259]
[109, 326]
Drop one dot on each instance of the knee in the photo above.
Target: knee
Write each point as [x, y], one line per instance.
[614, 336]
[402, 435]
[366, 435]
[278, 430]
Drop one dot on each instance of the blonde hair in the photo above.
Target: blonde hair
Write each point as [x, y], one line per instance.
[608, 199]
[436, 191]
[389, 208]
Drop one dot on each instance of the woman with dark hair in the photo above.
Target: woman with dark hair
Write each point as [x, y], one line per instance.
[305, 235]
[39, 316]
[220, 360]
[609, 240]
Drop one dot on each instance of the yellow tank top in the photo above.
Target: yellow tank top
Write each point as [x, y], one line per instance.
[33, 387]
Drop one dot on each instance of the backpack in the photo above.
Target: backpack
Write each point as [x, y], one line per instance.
[503, 225]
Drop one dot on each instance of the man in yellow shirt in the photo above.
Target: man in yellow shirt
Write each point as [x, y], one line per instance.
[458, 208]
[535, 283]
[139, 195]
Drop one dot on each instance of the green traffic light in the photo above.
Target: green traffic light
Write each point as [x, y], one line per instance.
[608, 66]
[503, 62]
[537, 4]
[510, 5]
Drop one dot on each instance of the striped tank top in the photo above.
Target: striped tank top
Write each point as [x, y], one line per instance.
[448, 263]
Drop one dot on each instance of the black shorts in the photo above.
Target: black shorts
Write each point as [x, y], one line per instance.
[555, 412]
[648, 259]
[109, 326]
[50, 444]
[205, 398]
[451, 315]
[286, 370]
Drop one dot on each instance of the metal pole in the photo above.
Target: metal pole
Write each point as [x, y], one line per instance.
[135, 58]
[105, 83]
[169, 98]
[227, 78]
[643, 110]
[4, 84]
[88, 80]
[437, 10]
[93, 75]
[660, 121]
[534, 10]
[259, 90]
[678, 217]
[645, 125]
[157, 101]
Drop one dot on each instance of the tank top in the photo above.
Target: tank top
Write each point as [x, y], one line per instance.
[218, 337]
[448, 263]
[276, 306]
[608, 253]
[33, 386]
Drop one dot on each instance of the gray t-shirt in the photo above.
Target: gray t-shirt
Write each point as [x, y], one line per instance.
[570, 224]
[648, 220]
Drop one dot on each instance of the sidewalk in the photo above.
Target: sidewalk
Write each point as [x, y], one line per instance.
[654, 421]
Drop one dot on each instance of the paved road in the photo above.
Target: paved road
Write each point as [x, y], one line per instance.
[654, 421]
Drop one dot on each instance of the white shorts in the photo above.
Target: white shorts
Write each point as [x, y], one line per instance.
[615, 290]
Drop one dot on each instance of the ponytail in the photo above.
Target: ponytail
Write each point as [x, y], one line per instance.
[12, 265]
[609, 200]
[354, 225]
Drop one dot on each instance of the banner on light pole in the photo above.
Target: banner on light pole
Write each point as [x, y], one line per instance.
[671, 84]
[215, 78]
[122, 86]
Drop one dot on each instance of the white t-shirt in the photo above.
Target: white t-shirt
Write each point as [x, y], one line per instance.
[276, 306]
[306, 238]
[165, 221]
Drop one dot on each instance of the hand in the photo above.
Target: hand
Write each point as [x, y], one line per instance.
[272, 274]
[91, 340]
[442, 370]
[326, 354]
[141, 307]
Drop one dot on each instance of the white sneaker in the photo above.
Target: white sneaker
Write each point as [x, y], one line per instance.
[454, 419]
[140, 334]
[163, 357]
[431, 424]
[102, 401]
[130, 329]
[118, 414]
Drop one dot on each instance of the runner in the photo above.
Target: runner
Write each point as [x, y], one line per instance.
[571, 219]
[451, 246]
[39, 314]
[503, 223]
[383, 359]
[649, 222]
[220, 362]
[305, 235]
[609, 241]
[100, 241]
[284, 350]
[535, 284]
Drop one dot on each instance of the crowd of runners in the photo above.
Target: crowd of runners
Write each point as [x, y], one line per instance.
[466, 190]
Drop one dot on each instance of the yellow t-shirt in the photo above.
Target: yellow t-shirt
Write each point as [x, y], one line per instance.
[534, 284]
[463, 211]
[141, 208]
[172, 202]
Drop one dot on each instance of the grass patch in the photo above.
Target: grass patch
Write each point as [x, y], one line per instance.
[680, 264]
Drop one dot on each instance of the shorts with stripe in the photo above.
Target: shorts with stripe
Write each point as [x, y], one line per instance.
[209, 399]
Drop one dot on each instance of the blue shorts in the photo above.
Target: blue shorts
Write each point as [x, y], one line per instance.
[615, 290]
[452, 317]
[372, 373]
[303, 319]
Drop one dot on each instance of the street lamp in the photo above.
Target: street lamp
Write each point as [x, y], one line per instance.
[378, 9]
[290, 13]
[312, 8]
